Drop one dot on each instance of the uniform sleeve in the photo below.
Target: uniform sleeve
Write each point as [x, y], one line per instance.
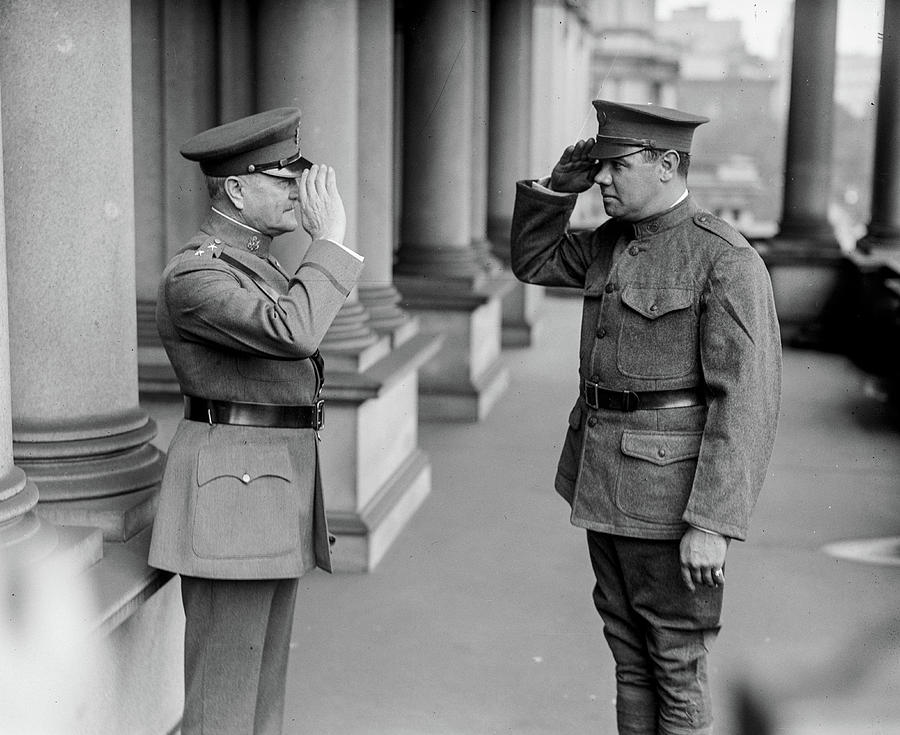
[543, 250]
[740, 350]
[211, 303]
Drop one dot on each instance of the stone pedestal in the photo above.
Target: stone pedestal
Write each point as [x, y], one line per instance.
[375, 475]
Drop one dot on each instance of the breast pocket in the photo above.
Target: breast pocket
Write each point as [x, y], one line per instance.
[656, 474]
[658, 337]
[246, 503]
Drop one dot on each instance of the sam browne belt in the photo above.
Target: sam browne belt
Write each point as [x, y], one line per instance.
[629, 400]
[268, 415]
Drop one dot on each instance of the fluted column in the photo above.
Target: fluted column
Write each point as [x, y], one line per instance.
[509, 151]
[443, 280]
[376, 176]
[480, 105]
[807, 185]
[78, 431]
[884, 227]
[436, 230]
[307, 56]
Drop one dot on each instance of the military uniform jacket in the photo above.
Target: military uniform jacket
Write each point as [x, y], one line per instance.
[678, 300]
[245, 502]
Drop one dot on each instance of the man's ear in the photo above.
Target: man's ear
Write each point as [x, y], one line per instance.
[234, 189]
[668, 163]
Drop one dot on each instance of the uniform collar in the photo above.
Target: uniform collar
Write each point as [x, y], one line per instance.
[683, 209]
[238, 235]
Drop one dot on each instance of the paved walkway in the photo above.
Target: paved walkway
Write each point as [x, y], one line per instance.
[479, 620]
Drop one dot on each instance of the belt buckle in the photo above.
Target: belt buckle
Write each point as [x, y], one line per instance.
[596, 404]
[319, 419]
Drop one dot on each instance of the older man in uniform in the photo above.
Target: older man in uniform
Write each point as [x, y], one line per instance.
[679, 386]
[241, 515]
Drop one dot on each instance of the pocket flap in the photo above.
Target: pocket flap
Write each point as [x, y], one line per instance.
[661, 447]
[654, 302]
[243, 462]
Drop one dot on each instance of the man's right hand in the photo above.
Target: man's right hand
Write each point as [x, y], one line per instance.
[574, 172]
[321, 208]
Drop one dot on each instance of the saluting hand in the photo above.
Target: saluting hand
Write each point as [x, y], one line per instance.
[574, 172]
[321, 207]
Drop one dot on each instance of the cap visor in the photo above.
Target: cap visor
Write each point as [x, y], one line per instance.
[292, 170]
[608, 149]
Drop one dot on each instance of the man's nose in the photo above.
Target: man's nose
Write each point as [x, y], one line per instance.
[294, 192]
[601, 175]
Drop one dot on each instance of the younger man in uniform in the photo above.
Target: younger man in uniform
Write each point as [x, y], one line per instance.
[679, 387]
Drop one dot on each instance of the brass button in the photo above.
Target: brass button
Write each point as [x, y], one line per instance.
[601, 333]
[245, 478]
[654, 307]
[662, 452]
[592, 421]
[609, 288]
[633, 250]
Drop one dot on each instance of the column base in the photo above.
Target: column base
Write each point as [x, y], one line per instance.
[374, 474]
[119, 517]
[466, 377]
[385, 315]
[809, 283]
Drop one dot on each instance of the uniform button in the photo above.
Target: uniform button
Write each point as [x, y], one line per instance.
[245, 478]
[654, 307]
[702, 218]
[609, 288]
[592, 421]
[601, 333]
[662, 452]
[217, 241]
[633, 250]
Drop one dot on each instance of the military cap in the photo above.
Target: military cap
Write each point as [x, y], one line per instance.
[627, 128]
[268, 143]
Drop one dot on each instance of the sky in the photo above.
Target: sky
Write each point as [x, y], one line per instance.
[859, 22]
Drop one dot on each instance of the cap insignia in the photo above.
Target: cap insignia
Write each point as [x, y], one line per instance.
[602, 118]
[253, 244]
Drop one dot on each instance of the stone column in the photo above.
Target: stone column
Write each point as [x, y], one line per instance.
[374, 474]
[307, 56]
[509, 152]
[807, 185]
[376, 171]
[438, 271]
[884, 227]
[804, 258]
[23, 535]
[78, 431]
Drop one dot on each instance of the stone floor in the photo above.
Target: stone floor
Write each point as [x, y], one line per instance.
[479, 619]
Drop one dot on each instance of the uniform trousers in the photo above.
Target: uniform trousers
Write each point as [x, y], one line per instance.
[236, 643]
[659, 633]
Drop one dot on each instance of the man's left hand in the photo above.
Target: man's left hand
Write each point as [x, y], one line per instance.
[702, 558]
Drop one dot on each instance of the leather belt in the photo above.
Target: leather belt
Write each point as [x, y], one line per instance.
[629, 400]
[269, 415]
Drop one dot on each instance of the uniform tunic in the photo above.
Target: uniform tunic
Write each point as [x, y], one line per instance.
[678, 300]
[245, 502]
